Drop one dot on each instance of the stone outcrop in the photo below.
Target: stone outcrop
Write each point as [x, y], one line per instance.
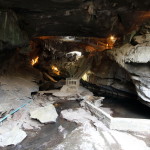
[78, 17]
[135, 60]
[125, 68]
[12, 137]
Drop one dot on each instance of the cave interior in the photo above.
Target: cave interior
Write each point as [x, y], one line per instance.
[101, 45]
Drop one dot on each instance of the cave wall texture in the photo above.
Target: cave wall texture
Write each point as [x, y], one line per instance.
[126, 66]
[135, 59]
[77, 17]
[11, 34]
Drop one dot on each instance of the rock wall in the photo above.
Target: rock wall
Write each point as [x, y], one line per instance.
[135, 60]
[10, 33]
[126, 67]
[122, 67]
[107, 72]
[17, 77]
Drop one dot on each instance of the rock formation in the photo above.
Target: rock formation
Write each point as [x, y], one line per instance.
[125, 67]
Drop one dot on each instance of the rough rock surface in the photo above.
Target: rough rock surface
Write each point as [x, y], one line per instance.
[93, 135]
[135, 60]
[107, 72]
[77, 17]
[15, 91]
[11, 34]
[44, 114]
[11, 137]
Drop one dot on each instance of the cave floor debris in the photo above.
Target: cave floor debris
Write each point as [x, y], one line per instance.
[78, 129]
[49, 134]
[75, 127]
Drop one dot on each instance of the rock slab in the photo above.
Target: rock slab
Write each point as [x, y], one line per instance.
[12, 137]
[44, 114]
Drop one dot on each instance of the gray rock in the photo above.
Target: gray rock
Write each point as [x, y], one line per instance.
[11, 33]
[135, 59]
[45, 114]
[12, 137]
[125, 68]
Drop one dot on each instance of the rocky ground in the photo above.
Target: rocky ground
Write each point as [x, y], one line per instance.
[73, 127]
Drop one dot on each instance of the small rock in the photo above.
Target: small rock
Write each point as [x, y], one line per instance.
[98, 102]
[44, 114]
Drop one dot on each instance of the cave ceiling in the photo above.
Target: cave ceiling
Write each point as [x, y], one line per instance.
[96, 18]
